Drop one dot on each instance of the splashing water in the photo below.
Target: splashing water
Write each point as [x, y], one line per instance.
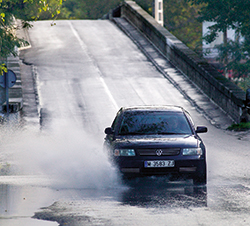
[68, 156]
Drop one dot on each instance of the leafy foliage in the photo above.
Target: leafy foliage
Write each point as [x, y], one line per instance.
[87, 9]
[26, 11]
[226, 13]
[180, 19]
[243, 126]
[229, 14]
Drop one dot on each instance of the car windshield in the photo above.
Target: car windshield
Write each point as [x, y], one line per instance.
[153, 123]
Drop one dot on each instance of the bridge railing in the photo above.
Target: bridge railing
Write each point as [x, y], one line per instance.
[222, 91]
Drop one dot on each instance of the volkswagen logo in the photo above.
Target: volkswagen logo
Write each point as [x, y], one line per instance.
[158, 152]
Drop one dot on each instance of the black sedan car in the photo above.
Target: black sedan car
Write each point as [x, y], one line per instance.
[157, 140]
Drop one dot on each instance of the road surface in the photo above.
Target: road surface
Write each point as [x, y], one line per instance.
[57, 173]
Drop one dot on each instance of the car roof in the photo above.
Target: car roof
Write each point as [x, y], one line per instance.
[169, 108]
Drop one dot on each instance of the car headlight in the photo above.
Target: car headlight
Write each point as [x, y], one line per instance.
[124, 152]
[192, 151]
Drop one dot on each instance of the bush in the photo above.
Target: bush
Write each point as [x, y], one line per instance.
[243, 126]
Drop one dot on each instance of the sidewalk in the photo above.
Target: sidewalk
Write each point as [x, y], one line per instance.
[13, 63]
[23, 98]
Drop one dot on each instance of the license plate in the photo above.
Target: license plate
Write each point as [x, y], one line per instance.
[162, 163]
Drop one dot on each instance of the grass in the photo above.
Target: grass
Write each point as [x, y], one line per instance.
[243, 126]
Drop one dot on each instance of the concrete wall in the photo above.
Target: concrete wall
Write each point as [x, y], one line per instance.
[223, 92]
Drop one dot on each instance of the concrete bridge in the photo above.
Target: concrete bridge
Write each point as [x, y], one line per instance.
[223, 92]
[133, 19]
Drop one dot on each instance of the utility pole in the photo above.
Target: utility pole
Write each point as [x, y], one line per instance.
[159, 12]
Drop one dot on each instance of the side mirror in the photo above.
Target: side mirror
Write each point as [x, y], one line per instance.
[108, 131]
[201, 129]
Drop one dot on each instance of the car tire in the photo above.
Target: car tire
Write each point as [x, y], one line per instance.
[200, 179]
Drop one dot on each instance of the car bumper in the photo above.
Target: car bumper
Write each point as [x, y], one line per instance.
[188, 167]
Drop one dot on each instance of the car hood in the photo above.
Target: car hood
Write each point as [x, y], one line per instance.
[157, 141]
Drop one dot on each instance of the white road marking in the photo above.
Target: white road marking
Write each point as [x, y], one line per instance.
[85, 49]
[109, 93]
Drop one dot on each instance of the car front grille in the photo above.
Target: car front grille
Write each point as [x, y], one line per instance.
[159, 151]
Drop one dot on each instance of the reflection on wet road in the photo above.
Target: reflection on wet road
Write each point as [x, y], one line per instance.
[62, 176]
[58, 173]
[130, 202]
[158, 192]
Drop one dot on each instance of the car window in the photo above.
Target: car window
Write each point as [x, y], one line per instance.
[190, 119]
[143, 123]
[115, 122]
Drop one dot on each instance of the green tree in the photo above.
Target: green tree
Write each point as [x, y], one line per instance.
[87, 9]
[229, 14]
[180, 19]
[26, 11]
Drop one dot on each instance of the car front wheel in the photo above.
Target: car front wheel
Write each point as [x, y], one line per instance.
[200, 179]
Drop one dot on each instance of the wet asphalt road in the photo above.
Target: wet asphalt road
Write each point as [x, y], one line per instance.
[56, 172]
